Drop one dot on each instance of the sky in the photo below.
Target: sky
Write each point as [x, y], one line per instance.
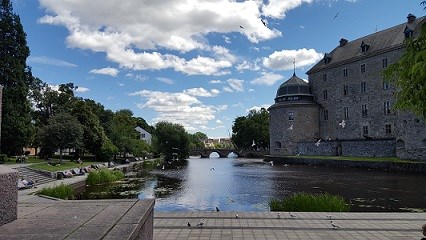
[198, 63]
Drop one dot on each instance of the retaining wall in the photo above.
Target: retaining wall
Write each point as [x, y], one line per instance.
[8, 195]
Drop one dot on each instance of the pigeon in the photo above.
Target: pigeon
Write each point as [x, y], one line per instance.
[264, 23]
[217, 209]
[189, 225]
[236, 216]
[272, 163]
[329, 216]
[343, 124]
[318, 143]
[200, 224]
[163, 167]
[291, 215]
[212, 169]
[336, 16]
[278, 216]
[241, 27]
[334, 225]
[298, 154]
[290, 128]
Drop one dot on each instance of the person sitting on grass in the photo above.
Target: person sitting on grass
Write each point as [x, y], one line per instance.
[79, 161]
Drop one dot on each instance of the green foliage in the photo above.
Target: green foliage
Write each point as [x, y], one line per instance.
[307, 202]
[3, 158]
[15, 77]
[62, 191]
[409, 76]
[108, 150]
[255, 126]
[104, 176]
[62, 131]
[171, 138]
[197, 140]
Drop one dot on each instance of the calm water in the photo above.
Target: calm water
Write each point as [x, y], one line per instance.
[235, 184]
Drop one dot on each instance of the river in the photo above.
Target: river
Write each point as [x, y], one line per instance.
[237, 184]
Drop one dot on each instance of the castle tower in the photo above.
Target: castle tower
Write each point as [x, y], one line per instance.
[293, 117]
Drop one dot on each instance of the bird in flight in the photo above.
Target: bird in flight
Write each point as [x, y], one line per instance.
[343, 124]
[264, 23]
[336, 16]
[318, 143]
[217, 209]
[241, 27]
[290, 128]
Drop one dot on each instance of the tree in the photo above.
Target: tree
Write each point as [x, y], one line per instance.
[253, 127]
[171, 139]
[197, 140]
[409, 76]
[61, 132]
[16, 78]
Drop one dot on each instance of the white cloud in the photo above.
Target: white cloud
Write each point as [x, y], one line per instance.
[215, 81]
[251, 90]
[283, 60]
[218, 121]
[201, 92]
[136, 34]
[245, 65]
[82, 89]
[227, 89]
[236, 84]
[267, 79]
[137, 77]
[50, 61]
[106, 71]
[278, 8]
[165, 80]
[227, 39]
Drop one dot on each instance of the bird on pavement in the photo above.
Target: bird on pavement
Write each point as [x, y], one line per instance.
[236, 216]
[291, 215]
[333, 225]
[200, 224]
[217, 209]
[189, 225]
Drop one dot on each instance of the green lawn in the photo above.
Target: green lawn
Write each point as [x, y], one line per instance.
[65, 165]
[31, 159]
[365, 159]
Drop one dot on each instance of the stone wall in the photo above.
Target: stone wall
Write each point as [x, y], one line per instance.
[354, 148]
[8, 195]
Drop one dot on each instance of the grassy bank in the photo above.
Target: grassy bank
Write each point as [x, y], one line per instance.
[307, 202]
[65, 165]
[62, 191]
[104, 176]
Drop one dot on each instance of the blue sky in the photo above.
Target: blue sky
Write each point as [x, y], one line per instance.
[197, 63]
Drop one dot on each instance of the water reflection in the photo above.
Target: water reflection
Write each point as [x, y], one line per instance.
[234, 184]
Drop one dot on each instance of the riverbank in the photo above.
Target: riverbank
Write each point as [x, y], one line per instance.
[403, 166]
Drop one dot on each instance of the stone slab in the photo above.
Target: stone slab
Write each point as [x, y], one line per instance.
[8, 194]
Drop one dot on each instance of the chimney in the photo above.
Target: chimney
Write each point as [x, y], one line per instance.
[343, 42]
[411, 18]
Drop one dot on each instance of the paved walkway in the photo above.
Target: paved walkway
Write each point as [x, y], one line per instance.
[267, 226]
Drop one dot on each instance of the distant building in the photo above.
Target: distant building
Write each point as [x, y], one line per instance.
[346, 108]
[144, 135]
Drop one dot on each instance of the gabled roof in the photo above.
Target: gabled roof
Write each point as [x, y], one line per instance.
[391, 38]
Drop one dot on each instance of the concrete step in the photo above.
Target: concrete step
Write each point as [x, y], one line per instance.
[32, 175]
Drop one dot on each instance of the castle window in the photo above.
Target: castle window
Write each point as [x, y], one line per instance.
[324, 94]
[363, 87]
[363, 68]
[324, 77]
[365, 130]
[408, 33]
[387, 107]
[385, 86]
[384, 62]
[325, 114]
[345, 72]
[345, 90]
[364, 110]
[424, 143]
[142, 135]
[364, 47]
[346, 112]
[291, 116]
[277, 144]
[388, 129]
[400, 143]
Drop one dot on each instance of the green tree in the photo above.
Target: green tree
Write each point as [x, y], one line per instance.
[170, 139]
[408, 75]
[197, 140]
[61, 132]
[16, 78]
[253, 127]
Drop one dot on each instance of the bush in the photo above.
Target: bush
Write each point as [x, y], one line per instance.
[62, 191]
[104, 176]
[3, 158]
[307, 202]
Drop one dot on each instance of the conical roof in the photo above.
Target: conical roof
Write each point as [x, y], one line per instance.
[293, 86]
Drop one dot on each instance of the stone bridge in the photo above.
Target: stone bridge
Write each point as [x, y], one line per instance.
[223, 153]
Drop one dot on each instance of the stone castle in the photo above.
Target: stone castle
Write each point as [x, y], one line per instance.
[346, 108]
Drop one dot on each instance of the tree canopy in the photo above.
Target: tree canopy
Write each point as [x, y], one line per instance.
[253, 127]
[171, 140]
[409, 76]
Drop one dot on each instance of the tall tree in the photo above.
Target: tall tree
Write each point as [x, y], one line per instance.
[171, 140]
[253, 127]
[16, 77]
[409, 76]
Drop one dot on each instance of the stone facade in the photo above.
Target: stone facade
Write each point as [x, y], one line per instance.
[8, 195]
[355, 114]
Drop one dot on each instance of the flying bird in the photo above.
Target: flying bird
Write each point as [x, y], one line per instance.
[272, 163]
[343, 124]
[333, 225]
[290, 128]
[298, 154]
[212, 169]
[217, 209]
[336, 16]
[264, 23]
[241, 27]
[318, 143]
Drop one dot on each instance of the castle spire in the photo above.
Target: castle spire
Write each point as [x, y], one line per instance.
[294, 66]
